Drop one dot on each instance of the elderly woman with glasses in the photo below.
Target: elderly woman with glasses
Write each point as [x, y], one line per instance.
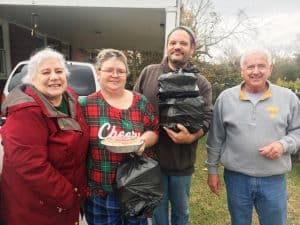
[113, 112]
[45, 140]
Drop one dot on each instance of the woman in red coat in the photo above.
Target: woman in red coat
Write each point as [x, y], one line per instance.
[45, 142]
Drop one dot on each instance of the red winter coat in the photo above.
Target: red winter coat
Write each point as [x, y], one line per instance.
[44, 170]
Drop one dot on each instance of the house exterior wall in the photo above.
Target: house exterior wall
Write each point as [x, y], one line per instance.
[22, 43]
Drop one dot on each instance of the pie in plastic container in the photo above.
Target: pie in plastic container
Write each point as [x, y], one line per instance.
[124, 144]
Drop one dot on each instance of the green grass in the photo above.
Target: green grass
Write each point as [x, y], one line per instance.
[208, 209]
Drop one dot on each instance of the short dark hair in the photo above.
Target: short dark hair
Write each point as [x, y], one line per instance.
[186, 29]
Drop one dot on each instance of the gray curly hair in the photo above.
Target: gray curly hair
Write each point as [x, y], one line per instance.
[38, 57]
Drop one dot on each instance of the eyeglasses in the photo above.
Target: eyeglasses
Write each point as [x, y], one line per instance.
[112, 71]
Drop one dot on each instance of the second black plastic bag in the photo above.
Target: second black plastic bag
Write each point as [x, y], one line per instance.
[180, 101]
[139, 186]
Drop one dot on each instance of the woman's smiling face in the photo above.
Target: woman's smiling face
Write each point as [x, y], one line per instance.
[51, 79]
[112, 75]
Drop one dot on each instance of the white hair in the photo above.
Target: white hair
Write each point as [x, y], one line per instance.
[256, 50]
[37, 58]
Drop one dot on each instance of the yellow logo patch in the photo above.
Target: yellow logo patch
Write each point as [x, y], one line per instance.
[273, 110]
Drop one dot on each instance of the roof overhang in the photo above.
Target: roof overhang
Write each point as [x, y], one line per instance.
[135, 26]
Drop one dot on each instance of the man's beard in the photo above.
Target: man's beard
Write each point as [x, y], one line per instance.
[178, 63]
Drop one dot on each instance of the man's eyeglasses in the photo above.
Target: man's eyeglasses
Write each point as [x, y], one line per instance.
[111, 71]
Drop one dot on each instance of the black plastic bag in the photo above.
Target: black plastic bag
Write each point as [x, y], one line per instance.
[179, 101]
[139, 186]
[186, 111]
[178, 82]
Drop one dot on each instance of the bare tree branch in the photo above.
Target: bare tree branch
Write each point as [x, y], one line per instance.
[208, 25]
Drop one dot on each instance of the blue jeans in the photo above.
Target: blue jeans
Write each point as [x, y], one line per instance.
[267, 194]
[177, 192]
[106, 211]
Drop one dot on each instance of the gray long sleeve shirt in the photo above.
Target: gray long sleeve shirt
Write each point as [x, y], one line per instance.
[240, 128]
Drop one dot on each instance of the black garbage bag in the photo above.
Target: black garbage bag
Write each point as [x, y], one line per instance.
[180, 101]
[139, 186]
[178, 82]
[177, 85]
[186, 111]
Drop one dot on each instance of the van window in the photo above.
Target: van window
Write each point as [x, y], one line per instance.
[81, 79]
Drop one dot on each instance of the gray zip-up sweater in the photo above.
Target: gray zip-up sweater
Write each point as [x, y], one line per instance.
[240, 128]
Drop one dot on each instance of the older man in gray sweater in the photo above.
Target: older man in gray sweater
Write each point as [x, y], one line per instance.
[255, 129]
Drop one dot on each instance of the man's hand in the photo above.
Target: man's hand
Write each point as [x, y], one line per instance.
[214, 184]
[183, 136]
[272, 151]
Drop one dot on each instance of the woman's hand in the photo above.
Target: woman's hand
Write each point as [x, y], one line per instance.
[149, 138]
[141, 150]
